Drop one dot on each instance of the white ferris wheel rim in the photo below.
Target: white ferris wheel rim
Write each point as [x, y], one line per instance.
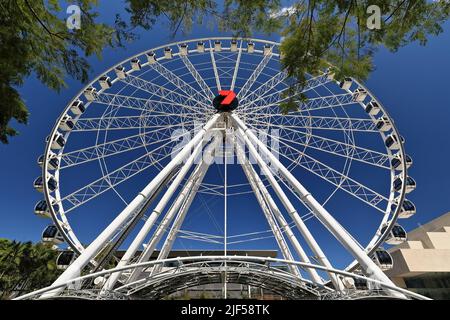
[61, 221]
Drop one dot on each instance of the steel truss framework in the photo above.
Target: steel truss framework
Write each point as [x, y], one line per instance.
[256, 271]
[157, 119]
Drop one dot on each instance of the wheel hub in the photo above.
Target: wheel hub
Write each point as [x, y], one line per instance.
[226, 101]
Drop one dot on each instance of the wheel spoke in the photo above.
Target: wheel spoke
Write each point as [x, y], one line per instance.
[115, 147]
[170, 96]
[198, 78]
[236, 67]
[251, 80]
[180, 84]
[334, 177]
[116, 177]
[213, 61]
[144, 121]
[313, 104]
[141, 104]
[262, 96]
[341, 149]
[314, 122]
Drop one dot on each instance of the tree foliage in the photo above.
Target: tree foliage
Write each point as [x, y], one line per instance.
[316, 33]
[34, 39]
[320, 32]
[25, 267]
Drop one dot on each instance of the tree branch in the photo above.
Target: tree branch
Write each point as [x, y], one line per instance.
[42, 23]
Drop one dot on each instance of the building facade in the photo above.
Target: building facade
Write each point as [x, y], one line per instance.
[422, 263]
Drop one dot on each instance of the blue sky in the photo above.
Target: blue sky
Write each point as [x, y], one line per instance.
[412, 84]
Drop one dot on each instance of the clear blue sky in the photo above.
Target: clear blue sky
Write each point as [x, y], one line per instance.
[412, 84]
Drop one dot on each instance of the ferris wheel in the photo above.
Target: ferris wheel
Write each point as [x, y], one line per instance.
[186, 143]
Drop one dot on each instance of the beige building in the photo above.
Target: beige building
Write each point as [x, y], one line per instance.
[422, 263]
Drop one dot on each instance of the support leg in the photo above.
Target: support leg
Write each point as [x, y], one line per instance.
[75, 268]
[338, 231]
[140, 238]
[269, 209]
[301, 226]
[190, 185]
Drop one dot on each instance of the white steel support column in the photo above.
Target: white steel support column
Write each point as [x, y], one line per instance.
[301, 226]
[189, 186]
[338, 231]
[140, 238]
[89, 253]
[268, 207]
[147, 252]
[282, 221]
[186, 199]
[225, 209]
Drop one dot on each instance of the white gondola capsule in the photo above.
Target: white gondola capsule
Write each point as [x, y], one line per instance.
[346, 84]
[250, 47]
[42, 209]
[200, 47]
[330, 74]
[120, 72]
[373, 108]
[384, 124]
[51, 234]
[38, 184]
[184, 49]
[396, 236]
[151, 57]
[105, 82]
[90, 93]
[168, 53]
[396, 162]
[409, 161]
[77, 107]
[267, 49]
[233, 45]
[53, 163]
[136, 64]
[392, 142]
[410, 184]
[52, 184]
[408, 209]
[383, 259]
[65, 259]
[360, 95]
[58, 141]
[217, 46]
[360, 284]
[66, 123]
